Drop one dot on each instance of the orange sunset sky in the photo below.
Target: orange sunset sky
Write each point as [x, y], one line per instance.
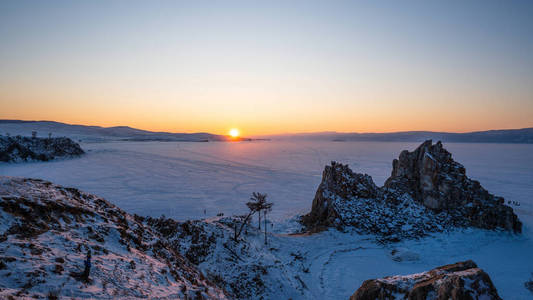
[269, 68]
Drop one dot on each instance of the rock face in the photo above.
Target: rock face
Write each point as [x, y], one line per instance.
[15, 149]
[433, 178]
[427, 191]
[459, 281]
[46, 231]
[339, 182]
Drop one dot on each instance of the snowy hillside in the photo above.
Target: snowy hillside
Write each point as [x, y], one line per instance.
[46, 231]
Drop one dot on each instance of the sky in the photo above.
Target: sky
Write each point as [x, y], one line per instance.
[269, 67]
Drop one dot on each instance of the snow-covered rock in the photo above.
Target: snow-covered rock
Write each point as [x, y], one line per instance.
[246, 268]
[433, 178]
[46, 231]
[14, 149]
[427, 192]
[462, 280]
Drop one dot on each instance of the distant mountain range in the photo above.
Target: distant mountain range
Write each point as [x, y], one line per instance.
[515, 136]
[97, 133]
[125, 133]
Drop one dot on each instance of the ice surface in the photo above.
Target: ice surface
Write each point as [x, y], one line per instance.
[182, 179]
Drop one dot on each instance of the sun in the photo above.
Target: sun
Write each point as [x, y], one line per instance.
[234, 132]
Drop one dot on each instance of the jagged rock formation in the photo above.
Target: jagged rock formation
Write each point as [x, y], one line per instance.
[46, 230]
[459, 281]
[15, 149]
[427, 191]
[433, 178]
[339, 182]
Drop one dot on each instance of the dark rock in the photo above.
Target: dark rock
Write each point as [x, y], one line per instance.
[338, 180]
[529, 284]
[434, 179]
[14, 149]
[462, 280]
[427, 191]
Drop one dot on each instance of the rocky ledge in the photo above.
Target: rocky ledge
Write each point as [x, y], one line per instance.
[462, 280]
[47, 230]
[427, 192]
[16, 149]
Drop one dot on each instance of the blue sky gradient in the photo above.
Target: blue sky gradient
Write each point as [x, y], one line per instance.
[269, 67]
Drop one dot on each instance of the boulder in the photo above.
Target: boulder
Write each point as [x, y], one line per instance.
[459, 281]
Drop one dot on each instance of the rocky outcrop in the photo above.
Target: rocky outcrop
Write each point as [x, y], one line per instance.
[15, 149]
[427, 191]
[459, 281]
[433, 178]
[338, 182]
[46, 231]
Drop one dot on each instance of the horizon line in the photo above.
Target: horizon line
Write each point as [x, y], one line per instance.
[272, 134]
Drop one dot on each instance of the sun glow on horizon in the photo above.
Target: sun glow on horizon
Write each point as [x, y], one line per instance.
[234, 132]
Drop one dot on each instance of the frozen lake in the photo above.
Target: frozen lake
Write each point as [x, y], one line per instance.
[181, 179]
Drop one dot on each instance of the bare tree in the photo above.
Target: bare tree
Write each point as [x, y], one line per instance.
[257, 204]
[243, 219]
[266, 208]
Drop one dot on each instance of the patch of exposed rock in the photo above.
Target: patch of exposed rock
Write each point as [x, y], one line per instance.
[459, 281]
[16, 149]
[427, 192]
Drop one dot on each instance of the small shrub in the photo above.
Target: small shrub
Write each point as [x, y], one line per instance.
[52, 295]
[58, 269]
[529, 284]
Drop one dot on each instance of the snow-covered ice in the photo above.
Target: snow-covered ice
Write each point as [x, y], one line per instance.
[180, 180]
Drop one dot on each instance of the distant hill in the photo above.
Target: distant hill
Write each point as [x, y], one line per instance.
[516, 136]
[97, 133]
[125, 133]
